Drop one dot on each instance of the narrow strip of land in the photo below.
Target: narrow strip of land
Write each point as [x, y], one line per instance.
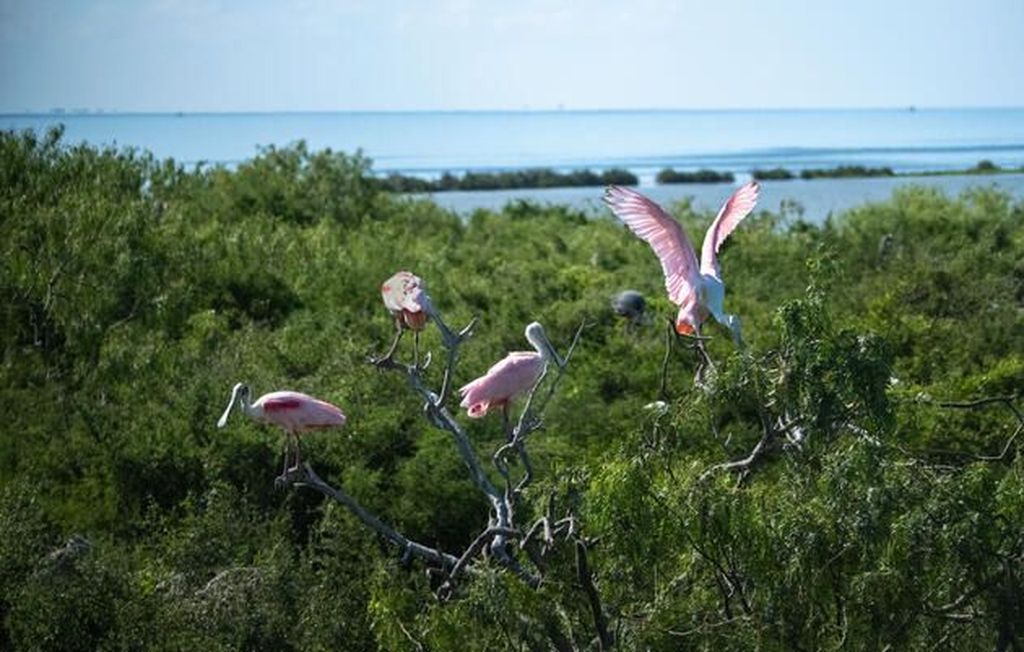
[548, 178]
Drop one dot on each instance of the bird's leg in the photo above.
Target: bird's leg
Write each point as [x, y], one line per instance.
[670, 335]
[287, 449]
[505, 422]
[298, 453]
[399, 331]
[733, 323]
[705, 364]
[416, 349]
[282, 480]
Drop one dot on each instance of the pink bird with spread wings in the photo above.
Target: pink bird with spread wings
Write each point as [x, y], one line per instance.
[515, 374]
[697, 289]
[294, 412]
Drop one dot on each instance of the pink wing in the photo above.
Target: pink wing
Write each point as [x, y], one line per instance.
[666, 236]
[296, 411]
[514, 374]
[733, 211]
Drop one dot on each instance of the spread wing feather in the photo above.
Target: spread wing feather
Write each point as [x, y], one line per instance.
[666, 236]
[729, 217]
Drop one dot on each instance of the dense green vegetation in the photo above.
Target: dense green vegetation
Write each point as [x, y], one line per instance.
[136, 292]
[547, 178]
[846, 171]
[668, 175]
[529, 178]
[772, 174]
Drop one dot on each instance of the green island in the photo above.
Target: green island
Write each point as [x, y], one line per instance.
[547, 178]
[862, 172]
[853, 478]
[668, 175]
[529, 178]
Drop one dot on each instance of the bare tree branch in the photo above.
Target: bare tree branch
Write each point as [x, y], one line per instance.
[769, 434]
[307, 477]
[500, 529]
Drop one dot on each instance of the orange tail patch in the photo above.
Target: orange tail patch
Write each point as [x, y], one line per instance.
[684, 328]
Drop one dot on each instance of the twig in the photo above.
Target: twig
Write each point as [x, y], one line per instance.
[1007, 402]
[472, 551]
[586, 580]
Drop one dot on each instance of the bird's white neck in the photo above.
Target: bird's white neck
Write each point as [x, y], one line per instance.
[535, 335]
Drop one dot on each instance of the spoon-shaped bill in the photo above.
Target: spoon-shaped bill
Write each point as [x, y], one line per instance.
[223, 420]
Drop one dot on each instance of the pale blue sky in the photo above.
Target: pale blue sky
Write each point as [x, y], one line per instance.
[257, 55]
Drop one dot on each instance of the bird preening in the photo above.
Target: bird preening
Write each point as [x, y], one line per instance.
[696, 287]
[511, 376]
[405, 296]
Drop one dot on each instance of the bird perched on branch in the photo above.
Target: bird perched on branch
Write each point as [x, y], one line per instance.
[697, 288]
[405, 296]
[517, 373]
[294, 412]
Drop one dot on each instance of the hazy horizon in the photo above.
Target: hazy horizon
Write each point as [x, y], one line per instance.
[61, 110]
[212, 56]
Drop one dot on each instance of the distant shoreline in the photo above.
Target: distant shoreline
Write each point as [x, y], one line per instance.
[541, 178]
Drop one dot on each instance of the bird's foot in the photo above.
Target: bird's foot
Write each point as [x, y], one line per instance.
[381, 361]
[291, 476]
[426, 362]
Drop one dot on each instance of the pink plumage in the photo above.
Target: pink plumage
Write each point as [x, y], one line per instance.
[404, 294]
[729, 217]
[509, 377]
[517, 373]
[698, 290]
[666, 236]
[296, 412]
[293, 412]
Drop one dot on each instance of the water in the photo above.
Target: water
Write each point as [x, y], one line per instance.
[428, 143]
[818, 199]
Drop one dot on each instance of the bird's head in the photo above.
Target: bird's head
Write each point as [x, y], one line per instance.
[629, 304]
[240, 394]
[536, 336]
[735, 327]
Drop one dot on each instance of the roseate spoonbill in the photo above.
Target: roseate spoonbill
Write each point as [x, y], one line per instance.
[405, 295]
[294, 412]
[698, 290]
[515, 374]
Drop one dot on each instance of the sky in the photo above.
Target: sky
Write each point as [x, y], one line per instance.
[319, 55]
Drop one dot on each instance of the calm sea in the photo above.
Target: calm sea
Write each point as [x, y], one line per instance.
[429, 143]
[644, 141]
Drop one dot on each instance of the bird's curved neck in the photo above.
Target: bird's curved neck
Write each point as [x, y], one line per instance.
[246, 406]
[543, 347]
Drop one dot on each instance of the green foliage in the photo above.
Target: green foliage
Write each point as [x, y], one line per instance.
[772, 174]
[668, 175]
[135, 292]
[530, 178]
[846, 171]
